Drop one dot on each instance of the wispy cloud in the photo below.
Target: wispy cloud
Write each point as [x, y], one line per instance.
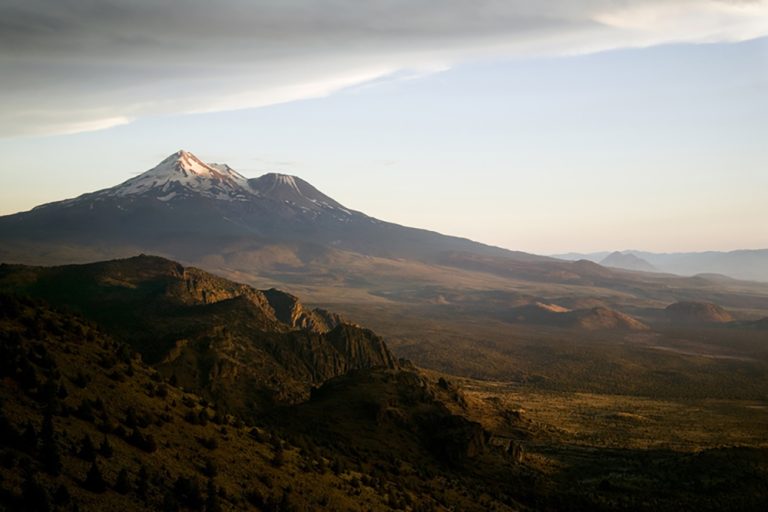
[75, 65]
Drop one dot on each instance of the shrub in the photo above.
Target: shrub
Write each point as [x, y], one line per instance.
[85, 411]
[209, 442]
[81, 380]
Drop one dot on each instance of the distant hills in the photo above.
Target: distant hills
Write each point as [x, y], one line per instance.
[743, 264]
[697, 313]
[627, 261]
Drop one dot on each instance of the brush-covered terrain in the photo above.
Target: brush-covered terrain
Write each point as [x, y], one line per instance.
[86, 425]
[140, 384]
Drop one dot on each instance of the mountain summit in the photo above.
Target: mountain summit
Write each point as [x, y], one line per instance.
[210, 215]
[184, 173]
[292, 189]
[627, 261]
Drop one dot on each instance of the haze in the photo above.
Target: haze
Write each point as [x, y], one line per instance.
[578, 126]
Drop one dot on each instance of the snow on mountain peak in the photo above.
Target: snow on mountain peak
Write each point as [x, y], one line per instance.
[182, 173]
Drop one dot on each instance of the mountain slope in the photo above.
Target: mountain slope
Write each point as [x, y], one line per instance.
[592, 319]
[84, 425]
[627, 261]
[690, 312]
[242, 347]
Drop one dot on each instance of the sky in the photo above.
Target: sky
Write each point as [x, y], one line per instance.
[546, 127]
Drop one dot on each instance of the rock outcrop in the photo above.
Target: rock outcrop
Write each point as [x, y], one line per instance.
[242, 347]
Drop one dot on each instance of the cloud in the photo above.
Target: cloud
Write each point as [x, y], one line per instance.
[74, 65]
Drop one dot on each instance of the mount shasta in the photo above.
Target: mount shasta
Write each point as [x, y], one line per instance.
[278, 230]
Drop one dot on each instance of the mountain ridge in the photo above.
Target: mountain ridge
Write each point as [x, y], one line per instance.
[244, 347]
[743, 264]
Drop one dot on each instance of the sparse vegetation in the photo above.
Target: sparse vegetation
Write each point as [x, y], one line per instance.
[87, 424]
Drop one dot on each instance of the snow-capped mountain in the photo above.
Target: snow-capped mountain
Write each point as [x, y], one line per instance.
[183, 177]
[190, 210]
[184, 173]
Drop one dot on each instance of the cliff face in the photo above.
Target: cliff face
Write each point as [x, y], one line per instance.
[243, 347]
[288, 310]
[363, 408]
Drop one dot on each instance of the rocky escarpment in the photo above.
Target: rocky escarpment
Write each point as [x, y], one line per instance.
[371, 404]
[242, 347]
[290, 311]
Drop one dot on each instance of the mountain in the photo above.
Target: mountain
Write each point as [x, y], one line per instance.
[627, 261]
[189, 210]
[742, 264]
[243, 348]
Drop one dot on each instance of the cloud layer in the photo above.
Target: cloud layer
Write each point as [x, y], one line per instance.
[77, 65]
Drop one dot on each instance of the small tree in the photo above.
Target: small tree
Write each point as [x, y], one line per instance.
[212, 503]
[105, 449]
[87, 450]
[122, 484]
[62, 497]
[49, 452]
[94, 481]
[210, 469]
[29, 437]
[142, 482]
[50, 457]
[278, 459]
[34, 496]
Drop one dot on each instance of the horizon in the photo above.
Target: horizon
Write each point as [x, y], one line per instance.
[564, 128]
[565, 252]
